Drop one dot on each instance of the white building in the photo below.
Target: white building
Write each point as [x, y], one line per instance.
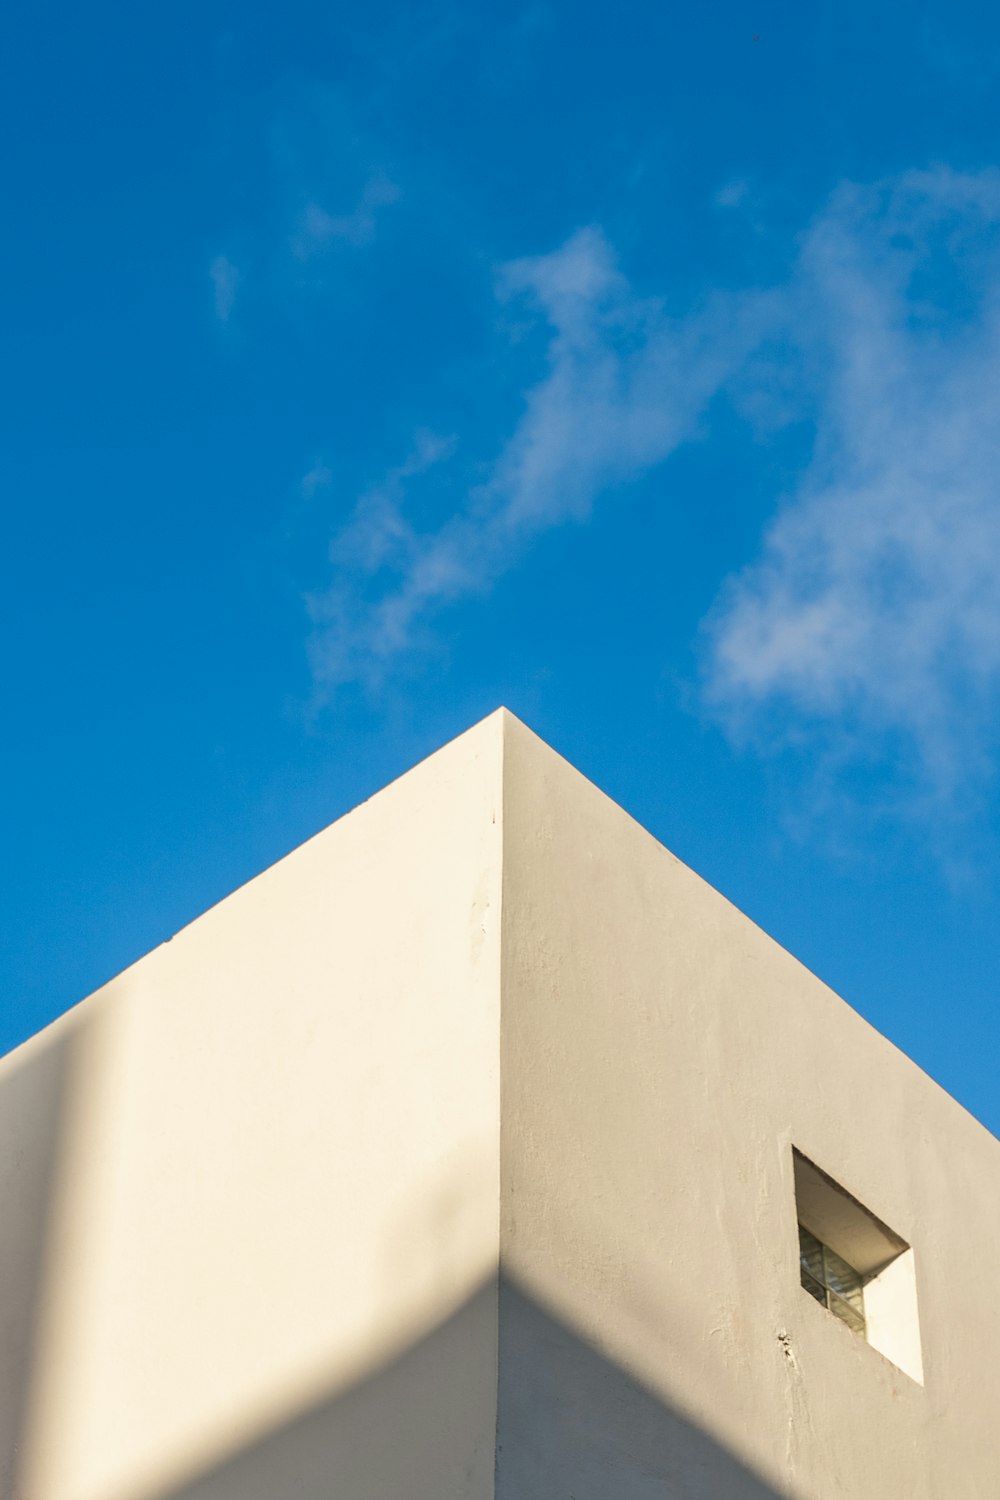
[463, 1154]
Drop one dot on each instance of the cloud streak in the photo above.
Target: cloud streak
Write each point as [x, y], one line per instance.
[624, 385]
[318, 230]
[870, 624]
[225, 283]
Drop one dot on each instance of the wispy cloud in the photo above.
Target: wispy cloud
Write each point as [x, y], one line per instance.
[318, 477]
[869, 626]
[624, 385]
[225, 282]
[317, 229]
[871, 621]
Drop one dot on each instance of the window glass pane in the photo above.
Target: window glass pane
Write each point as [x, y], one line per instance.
[847, 1314]
[842, 1278]
[828, 1278]
[813, 1287]
[811, 1254]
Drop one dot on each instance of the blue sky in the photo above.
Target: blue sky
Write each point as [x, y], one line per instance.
[366, 368]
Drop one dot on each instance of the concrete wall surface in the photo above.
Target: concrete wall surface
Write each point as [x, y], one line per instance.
[661, 1056]
[452, 1158]
[248, 1233]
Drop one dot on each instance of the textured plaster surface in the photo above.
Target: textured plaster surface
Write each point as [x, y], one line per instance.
[269, 1175]
[660, 1057]
[452, 1158]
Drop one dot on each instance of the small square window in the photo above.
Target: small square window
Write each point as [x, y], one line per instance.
[856, 1267]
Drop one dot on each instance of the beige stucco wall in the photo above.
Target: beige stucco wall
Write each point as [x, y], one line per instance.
[250, 1189]
[660, 1057]
[253, 1194]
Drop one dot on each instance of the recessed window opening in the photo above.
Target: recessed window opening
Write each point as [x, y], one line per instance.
[855, 1266]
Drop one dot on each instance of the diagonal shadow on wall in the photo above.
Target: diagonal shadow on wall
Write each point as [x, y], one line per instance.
[571, 1425]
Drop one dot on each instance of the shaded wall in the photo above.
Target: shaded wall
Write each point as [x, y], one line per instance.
[660, 1057]
[412, 1427]
[33, 1105]
[572, 1422]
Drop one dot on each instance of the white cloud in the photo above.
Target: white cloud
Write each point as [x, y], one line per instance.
[225, 281]
[869, 626]
[317, 229]
[624, 385]
[732, 194]
[318, 478]
[871, 621]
